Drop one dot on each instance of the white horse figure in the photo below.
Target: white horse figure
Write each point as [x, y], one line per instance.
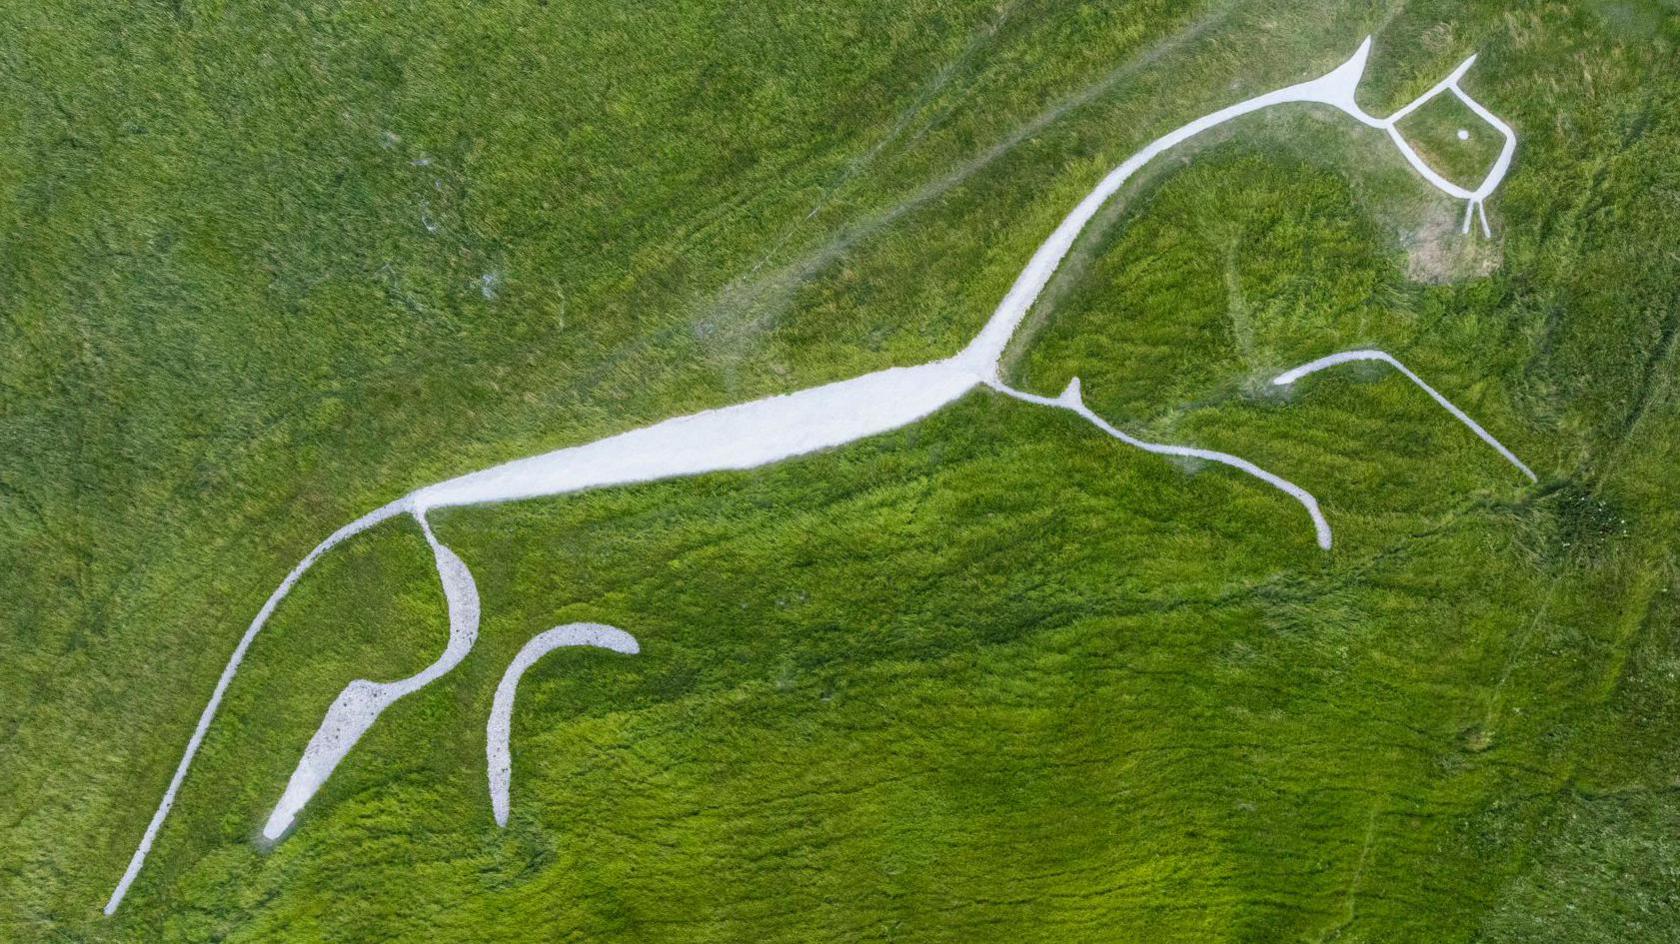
[769, 430]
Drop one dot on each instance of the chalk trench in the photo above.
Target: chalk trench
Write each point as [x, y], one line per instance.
[769, 430]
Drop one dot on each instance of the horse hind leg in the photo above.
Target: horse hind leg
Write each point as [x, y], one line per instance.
[498, 759]
[356, 708]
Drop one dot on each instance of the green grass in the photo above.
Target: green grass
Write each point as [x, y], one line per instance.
[1433, 132]
[994, 677]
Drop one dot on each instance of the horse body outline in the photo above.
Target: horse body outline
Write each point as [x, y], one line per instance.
[768, 430]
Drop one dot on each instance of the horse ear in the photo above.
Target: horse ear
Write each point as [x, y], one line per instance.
[1349, 73]
[1337, 87]
[1070, 394]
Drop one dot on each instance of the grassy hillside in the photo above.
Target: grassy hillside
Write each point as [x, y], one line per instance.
[994, 677]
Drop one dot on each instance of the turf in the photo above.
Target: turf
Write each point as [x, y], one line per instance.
[994, 677]
[1433, 132]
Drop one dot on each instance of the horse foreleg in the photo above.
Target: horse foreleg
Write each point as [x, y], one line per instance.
[1345, 357]
[1072, 401]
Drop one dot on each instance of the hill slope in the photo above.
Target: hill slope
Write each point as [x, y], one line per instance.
[990, 678]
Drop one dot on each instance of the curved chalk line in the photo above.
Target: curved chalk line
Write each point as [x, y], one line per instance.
[361, 702]
[1347, 357]
[764, 431]
[498, 760]
[355, 527]
[1073, 401]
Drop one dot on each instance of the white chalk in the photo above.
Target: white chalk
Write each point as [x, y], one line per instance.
[1346, 357]
[772, 429]
[498, 758]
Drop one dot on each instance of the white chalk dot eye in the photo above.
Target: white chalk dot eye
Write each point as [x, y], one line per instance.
[1464, 134]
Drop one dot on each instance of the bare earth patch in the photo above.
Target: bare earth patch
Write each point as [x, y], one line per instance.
[1437, 253]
